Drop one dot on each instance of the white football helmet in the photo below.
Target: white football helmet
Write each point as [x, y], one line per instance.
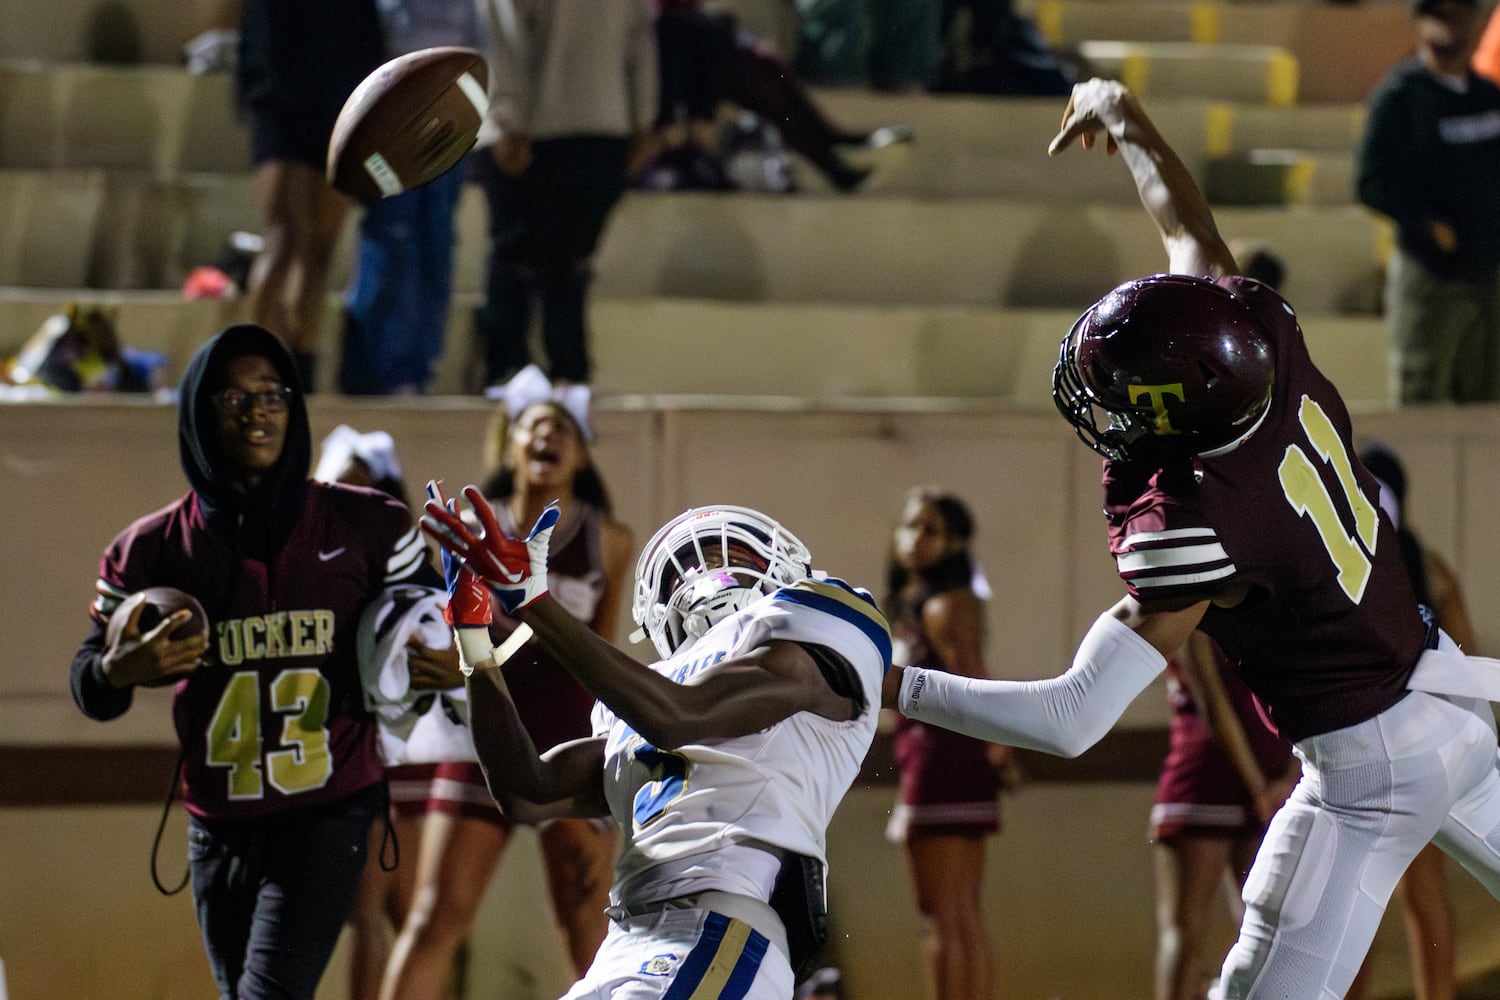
[704, 565]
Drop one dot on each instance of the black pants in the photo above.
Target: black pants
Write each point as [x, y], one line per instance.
[544, 227]
[272, 894]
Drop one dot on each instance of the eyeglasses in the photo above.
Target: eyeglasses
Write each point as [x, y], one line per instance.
[238, 403]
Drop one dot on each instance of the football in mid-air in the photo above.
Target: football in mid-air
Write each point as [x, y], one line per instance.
[409, 122]
[159, 603]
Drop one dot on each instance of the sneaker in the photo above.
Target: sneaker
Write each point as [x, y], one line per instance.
[879, 138]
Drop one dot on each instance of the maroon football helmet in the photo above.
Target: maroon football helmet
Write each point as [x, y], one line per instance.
[1179, 366]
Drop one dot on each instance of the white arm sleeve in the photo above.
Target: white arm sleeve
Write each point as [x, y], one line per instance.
[1062, 715]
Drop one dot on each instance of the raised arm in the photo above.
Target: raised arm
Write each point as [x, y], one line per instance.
[1170, 195]
[529, 787]
[762, 687]
[743, 695]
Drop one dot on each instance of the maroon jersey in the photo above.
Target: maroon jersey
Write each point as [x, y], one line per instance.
[1328, 629]
[274, 719]
[553, 706]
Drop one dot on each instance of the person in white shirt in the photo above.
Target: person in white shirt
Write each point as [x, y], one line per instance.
[572, 85]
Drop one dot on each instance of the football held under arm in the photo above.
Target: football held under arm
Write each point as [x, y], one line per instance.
[1063, 715]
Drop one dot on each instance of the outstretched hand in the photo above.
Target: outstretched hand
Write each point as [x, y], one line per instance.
[1094, 106]
[515, 570]
[469, 604]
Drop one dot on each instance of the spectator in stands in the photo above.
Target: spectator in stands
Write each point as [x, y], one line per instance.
[693, 50]
[396, 306]
[1423, 889]
[891, 45]
[573, 84]
[298, 63]
[756, 79]
[705, 59]
[1428, 158]
[990, 49]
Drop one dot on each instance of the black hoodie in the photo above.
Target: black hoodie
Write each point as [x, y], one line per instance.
[256, 522]
[284, 572]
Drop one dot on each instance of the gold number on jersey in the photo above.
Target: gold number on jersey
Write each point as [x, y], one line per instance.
[302, 696]
[234, 737]
[1306, 491]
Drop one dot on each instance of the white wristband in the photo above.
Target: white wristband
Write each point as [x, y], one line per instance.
[476, 652]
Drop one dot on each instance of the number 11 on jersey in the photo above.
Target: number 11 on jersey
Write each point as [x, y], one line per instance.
[1309, 496]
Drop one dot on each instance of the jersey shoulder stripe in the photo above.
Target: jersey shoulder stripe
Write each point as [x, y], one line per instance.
[107, 597]
[835, 597]
[1158, 562]
[408, 555]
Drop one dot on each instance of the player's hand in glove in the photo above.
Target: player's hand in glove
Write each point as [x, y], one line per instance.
[469, 604]
[514, 570]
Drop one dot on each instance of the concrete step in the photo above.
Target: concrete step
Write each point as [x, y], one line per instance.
[163, 121]
[1264, 74]
[677, 346]
[1280, 177]
[122, 230]
[1341, 50]
[967, 147]
[983, 252]
[150, 118]
[48, 222]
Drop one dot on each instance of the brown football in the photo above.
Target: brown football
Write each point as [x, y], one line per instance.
[409, 122]
[159, 602]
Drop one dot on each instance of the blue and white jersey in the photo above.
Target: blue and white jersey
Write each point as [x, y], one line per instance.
[686, 811]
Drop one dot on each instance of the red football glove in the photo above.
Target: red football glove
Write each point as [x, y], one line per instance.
[469, 604]
[514, 570]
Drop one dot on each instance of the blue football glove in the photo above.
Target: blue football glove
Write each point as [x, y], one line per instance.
[515, 571]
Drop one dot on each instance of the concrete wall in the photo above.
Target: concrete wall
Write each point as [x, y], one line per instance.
[1068, 884]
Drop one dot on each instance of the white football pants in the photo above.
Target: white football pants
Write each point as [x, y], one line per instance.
[1371, 797]
[688, 953]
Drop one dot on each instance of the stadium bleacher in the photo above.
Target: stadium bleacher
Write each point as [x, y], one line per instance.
[973, 215]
